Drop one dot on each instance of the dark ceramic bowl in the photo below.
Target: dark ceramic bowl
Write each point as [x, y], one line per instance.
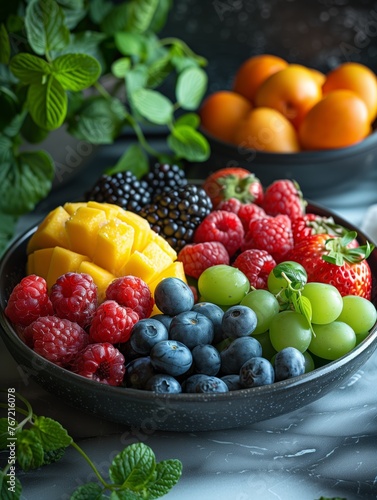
[182, 412]
[317, 172]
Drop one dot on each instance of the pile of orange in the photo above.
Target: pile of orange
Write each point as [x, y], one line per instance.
[276, 106]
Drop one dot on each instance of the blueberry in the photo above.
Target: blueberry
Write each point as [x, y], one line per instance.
[232, 381]
[146, 333]
[206, 359]
[239, 321]
[289, 362]
[172, 357]
[238, 352]
[256, 371]
[173, 296]
[189, 385]
[138, 372]
[211, 384]
[164, 318]
[215, 314]
[191, 328]
[163, 384]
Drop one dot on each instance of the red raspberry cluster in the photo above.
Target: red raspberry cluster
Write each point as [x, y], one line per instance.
[68, 327]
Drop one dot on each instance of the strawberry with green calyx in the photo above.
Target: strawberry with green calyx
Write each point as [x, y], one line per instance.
[233, 182]
[338, 261]
[311, 223]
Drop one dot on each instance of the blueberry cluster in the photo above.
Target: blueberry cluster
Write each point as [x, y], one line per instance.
[199, 348]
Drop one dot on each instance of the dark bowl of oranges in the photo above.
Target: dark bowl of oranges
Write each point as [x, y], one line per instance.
[283, 120]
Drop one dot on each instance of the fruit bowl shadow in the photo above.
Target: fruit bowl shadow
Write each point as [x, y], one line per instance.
[317, 172]
[149, 411]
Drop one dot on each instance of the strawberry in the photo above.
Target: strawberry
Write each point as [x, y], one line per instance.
[233, 182]
[310, 223]
[256, 266]
[339, 261]
[284, 197]
[222, 226]
[273, 234]
[196, 257]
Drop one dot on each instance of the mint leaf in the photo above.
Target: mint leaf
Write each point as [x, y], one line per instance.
[134, 160]
[190, 119]
[76, 71]
[4, 45]
[9, 108]
[129, 44]
[136, 78]
[160, 16]
[98, 9]
[188, 143]
[133, 467]
[141, 14]
[159, 70]
[84, 42]
[31, 131]
[45, 26]
[47, 103]
[296, 274]
[191, 87]
[128, 495]
[120, 67]
[168, 474]
[89, 491]
[74, 11]
[116, 19]
[29, 450]
[7, 490]
[29, 68]
[51, 433]
[153, 106]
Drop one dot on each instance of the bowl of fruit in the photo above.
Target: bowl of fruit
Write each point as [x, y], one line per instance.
[217, 314]
[284, 120]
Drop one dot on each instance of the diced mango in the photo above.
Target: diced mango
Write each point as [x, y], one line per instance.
[165, 246]
[175, 270]
[41, 261]
[141, 227]
[63, 261]
[71, 207]
[160, 260]
[139, 265]
[111, 210]
[51, 231]
[30, 264]
[82, 229]
[101, 277]
[114, 244]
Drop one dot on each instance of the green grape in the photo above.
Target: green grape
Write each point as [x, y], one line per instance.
[265, 305]
[333, 340]
[360, 337]
[264, 339]
[223, 285]
[326, 301]
[359, 313]
[290, 329]
[294, 271]
[309, 362]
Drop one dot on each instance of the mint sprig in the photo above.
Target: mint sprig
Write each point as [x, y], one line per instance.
[133, 474]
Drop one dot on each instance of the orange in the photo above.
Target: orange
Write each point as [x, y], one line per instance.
[356, 77]
[221, 111]
[265, 129]
[340, 119]
[252, 73]
[292, 91]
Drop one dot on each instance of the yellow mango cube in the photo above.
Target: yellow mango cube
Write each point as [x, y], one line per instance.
[114, 244]
[139, 265]
[72, 206]
[111, 210]
[175, 270]
[101, 277]
[82, 229]
[141, 227]
[30, 264]
[63, 261]
[160, 259]
[51, 231]
[164, 245]
[41, 261]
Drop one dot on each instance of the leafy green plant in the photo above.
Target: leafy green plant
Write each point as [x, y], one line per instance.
[55, 56]
[36, 441]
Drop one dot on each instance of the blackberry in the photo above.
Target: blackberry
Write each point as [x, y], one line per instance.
[123, 189]
[176, 214]
[164, 177]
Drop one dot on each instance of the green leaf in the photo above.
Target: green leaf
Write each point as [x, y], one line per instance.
[136, 79]
[45, 26]
[51, 433]
[128, 495]
[29, 450]
[47, 103]
[191, 87]
[7, 491]
[160, 15]
[76, 71]
[24, 181]
[89, 491]
[190, 119]
[141, 14]
[29, 68]
[7, 229]
[133, 467]
[168, 474]
[9, 107]
[153, 106]
[98, 10]
[304, 307]
[116, 19]
[188, 143]
[120, 67]
[159, 70]
[4, 434]
[4, 45]
[129, 44]
[6, 153]
[31, 132]
[295, 273]
[85, 42]
[134, 160]
[74, 11]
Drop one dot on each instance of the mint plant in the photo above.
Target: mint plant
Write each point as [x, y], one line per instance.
[39, 441]
[54, 58]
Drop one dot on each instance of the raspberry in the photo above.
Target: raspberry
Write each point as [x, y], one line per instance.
[256, 266]
[284, 197]
[28, 301]
[196, 257]
[249, 212]
[133, 292]
[101, 362]
[230, 205]
[221, 226]
[74, 297]
[273, 234]
[112, 323]
[56, 339]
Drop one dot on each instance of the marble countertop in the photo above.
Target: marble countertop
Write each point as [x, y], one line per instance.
[327, 448]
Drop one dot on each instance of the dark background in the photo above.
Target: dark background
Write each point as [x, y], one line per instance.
[317, 33]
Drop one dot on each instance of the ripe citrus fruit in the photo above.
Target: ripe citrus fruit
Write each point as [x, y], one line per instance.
[340, 119]
[252, 73]
[221, 111]
[356, 77]
[265, 129]
[292, 91]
